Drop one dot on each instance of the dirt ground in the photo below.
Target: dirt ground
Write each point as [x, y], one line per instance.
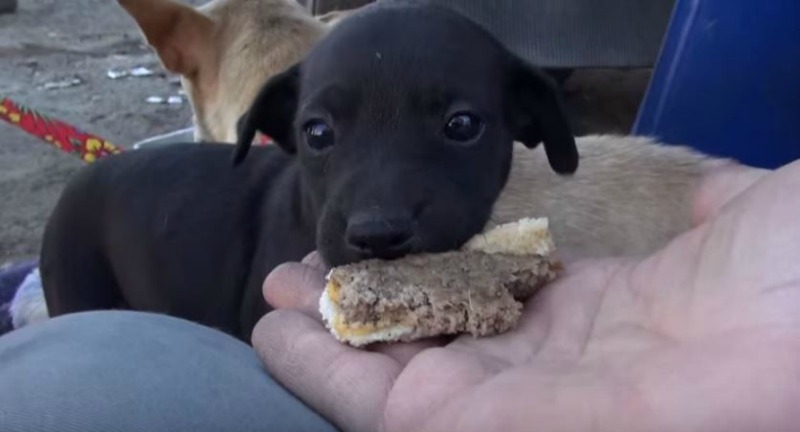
[49, 41]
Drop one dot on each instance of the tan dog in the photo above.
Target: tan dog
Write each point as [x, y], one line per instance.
[629, 197]
[224, 51]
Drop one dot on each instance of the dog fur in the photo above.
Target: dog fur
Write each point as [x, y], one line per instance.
[224, 51]
[640, 186]
[395, 162]
[629, 197]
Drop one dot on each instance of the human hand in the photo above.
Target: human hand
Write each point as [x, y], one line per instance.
[704, 335]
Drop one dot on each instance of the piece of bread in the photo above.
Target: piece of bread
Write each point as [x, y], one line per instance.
[476, 290]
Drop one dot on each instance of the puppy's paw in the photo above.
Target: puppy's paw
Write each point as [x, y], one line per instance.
[28, 306]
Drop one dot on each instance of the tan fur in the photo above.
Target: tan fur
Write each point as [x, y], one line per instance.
[225, 51]
[178, 33]
[629, 196]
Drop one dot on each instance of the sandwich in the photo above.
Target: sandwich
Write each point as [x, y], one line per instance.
[477, 290]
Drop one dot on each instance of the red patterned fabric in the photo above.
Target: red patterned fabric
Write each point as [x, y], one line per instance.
[262, 139]
[65, 137]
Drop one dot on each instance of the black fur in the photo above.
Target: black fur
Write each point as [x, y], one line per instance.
[181, 230]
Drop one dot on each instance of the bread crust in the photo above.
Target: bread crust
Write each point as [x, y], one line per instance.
[478, 290]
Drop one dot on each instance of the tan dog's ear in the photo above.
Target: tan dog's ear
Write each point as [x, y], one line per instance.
[179, 34]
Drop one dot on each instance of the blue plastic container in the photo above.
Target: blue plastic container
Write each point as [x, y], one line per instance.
[727, 81]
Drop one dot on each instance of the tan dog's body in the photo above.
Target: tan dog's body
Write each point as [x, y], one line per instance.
[629, 196]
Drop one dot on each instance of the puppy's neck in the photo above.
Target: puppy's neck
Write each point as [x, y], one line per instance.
[295, 198]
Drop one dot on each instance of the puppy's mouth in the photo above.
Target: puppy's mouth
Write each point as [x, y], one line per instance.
[382, 239]
[390, 236]
[399, 250]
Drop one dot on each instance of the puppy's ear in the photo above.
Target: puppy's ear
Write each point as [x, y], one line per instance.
[272, 113]
[181, 35]
[538, 116]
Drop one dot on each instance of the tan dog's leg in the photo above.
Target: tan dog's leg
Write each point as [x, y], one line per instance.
[179, 34]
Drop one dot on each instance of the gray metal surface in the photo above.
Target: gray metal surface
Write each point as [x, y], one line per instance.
[564, 33]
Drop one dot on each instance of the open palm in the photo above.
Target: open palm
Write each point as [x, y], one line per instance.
[702, 336]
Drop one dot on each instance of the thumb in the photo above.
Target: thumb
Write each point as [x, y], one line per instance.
[295, 286]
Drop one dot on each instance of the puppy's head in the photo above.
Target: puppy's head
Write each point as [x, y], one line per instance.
[224, 51]
[403, 119]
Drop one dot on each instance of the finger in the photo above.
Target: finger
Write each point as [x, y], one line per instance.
[295, 286]
[346, 385]
[403, 353]
[720, 186]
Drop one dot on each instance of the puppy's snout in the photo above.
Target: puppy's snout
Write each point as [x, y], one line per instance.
[379, 235]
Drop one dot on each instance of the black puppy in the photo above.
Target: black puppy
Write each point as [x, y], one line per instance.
[395, 137]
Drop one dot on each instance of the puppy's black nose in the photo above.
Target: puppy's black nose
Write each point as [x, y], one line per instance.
[376, 234]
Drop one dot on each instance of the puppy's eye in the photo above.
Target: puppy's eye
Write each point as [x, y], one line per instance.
[463, 127]
[319, 135]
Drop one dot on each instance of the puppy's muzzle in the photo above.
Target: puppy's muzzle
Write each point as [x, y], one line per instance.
[380, 234]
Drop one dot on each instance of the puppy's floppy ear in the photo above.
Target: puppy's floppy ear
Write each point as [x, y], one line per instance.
[538, 116]
[272, 113]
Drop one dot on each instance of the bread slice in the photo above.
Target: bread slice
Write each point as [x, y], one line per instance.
[476, 290]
